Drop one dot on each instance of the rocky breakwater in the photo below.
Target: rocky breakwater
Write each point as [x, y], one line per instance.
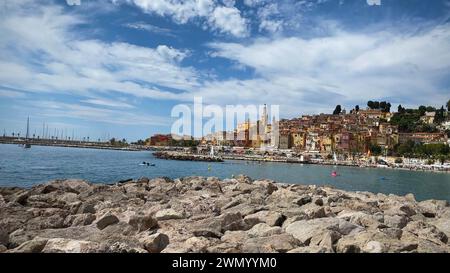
[205, 214]
[186, 157]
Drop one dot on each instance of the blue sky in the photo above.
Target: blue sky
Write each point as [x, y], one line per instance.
[117, 67]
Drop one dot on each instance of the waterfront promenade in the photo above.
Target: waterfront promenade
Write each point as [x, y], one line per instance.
[187, 156]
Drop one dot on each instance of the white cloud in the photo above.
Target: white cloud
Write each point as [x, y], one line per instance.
[71, 110]
[229, 20]
[208, 10]
[270, 19]
[56, 59]
[342, 68]
[150, 28]
[229, 3]
[73, 2]
[11, 94]
[109, 103]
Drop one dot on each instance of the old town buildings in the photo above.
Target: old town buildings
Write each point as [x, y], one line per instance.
[356, 132]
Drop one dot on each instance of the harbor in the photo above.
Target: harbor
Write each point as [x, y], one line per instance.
[28, 167]
[68, 143]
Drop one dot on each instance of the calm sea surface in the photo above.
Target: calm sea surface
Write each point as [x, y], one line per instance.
[27, 167]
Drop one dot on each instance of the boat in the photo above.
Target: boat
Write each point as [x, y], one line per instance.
[334, 174]
[147, 164]
[27, 144]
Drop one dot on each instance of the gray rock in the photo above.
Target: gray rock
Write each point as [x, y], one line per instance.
[305, 230]
[263, 230]
[269, 217]
[443, 224]
[276, 243]
[33, 246]
[4, 237]
[395, 221]
[432, 208]
[310, 249]
[200, 244]
[155, 243]
[80, 219]
[303, 200]
[232, 221]
[87, 208]
[168, 214]
[142, 222]
[106, 220]
[63, 245]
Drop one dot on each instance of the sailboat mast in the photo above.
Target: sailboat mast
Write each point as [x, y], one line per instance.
[28, 128]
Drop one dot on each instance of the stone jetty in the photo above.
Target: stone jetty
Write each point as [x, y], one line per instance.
[205, 214]
[186, 156]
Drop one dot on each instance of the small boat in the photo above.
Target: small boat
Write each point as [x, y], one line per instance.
[147, 164]
[334, 174]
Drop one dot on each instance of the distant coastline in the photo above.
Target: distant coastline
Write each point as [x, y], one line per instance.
[182, 155]
[259, 158]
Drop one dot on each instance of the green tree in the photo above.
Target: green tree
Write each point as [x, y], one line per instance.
[376, 105]
[422, 110]
[375, 149]
[431, 109]
[448, 105]
[112, 141]
[440, 116]
[337, 110]
[370, 104]
[357, 108]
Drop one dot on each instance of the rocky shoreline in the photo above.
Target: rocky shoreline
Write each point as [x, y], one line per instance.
[186, 157]
[205, 214]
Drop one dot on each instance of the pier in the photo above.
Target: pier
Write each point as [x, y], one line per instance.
[68, 143]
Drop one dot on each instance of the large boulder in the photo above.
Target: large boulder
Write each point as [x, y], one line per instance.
[142, 222]
[305, 230]
[276, 243]
[263, 230]
[4, 237]
[87, 208]
[426, 231]
[432, 208]
[200, 244]
[272, 218]
[443, 224]
[63, 245]
[155, 243]
[33, 246]
[106, 220]
[362, 219]
[395, 221]
[80, 219]
[168, 214]
[373, 241]
[310, 249]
